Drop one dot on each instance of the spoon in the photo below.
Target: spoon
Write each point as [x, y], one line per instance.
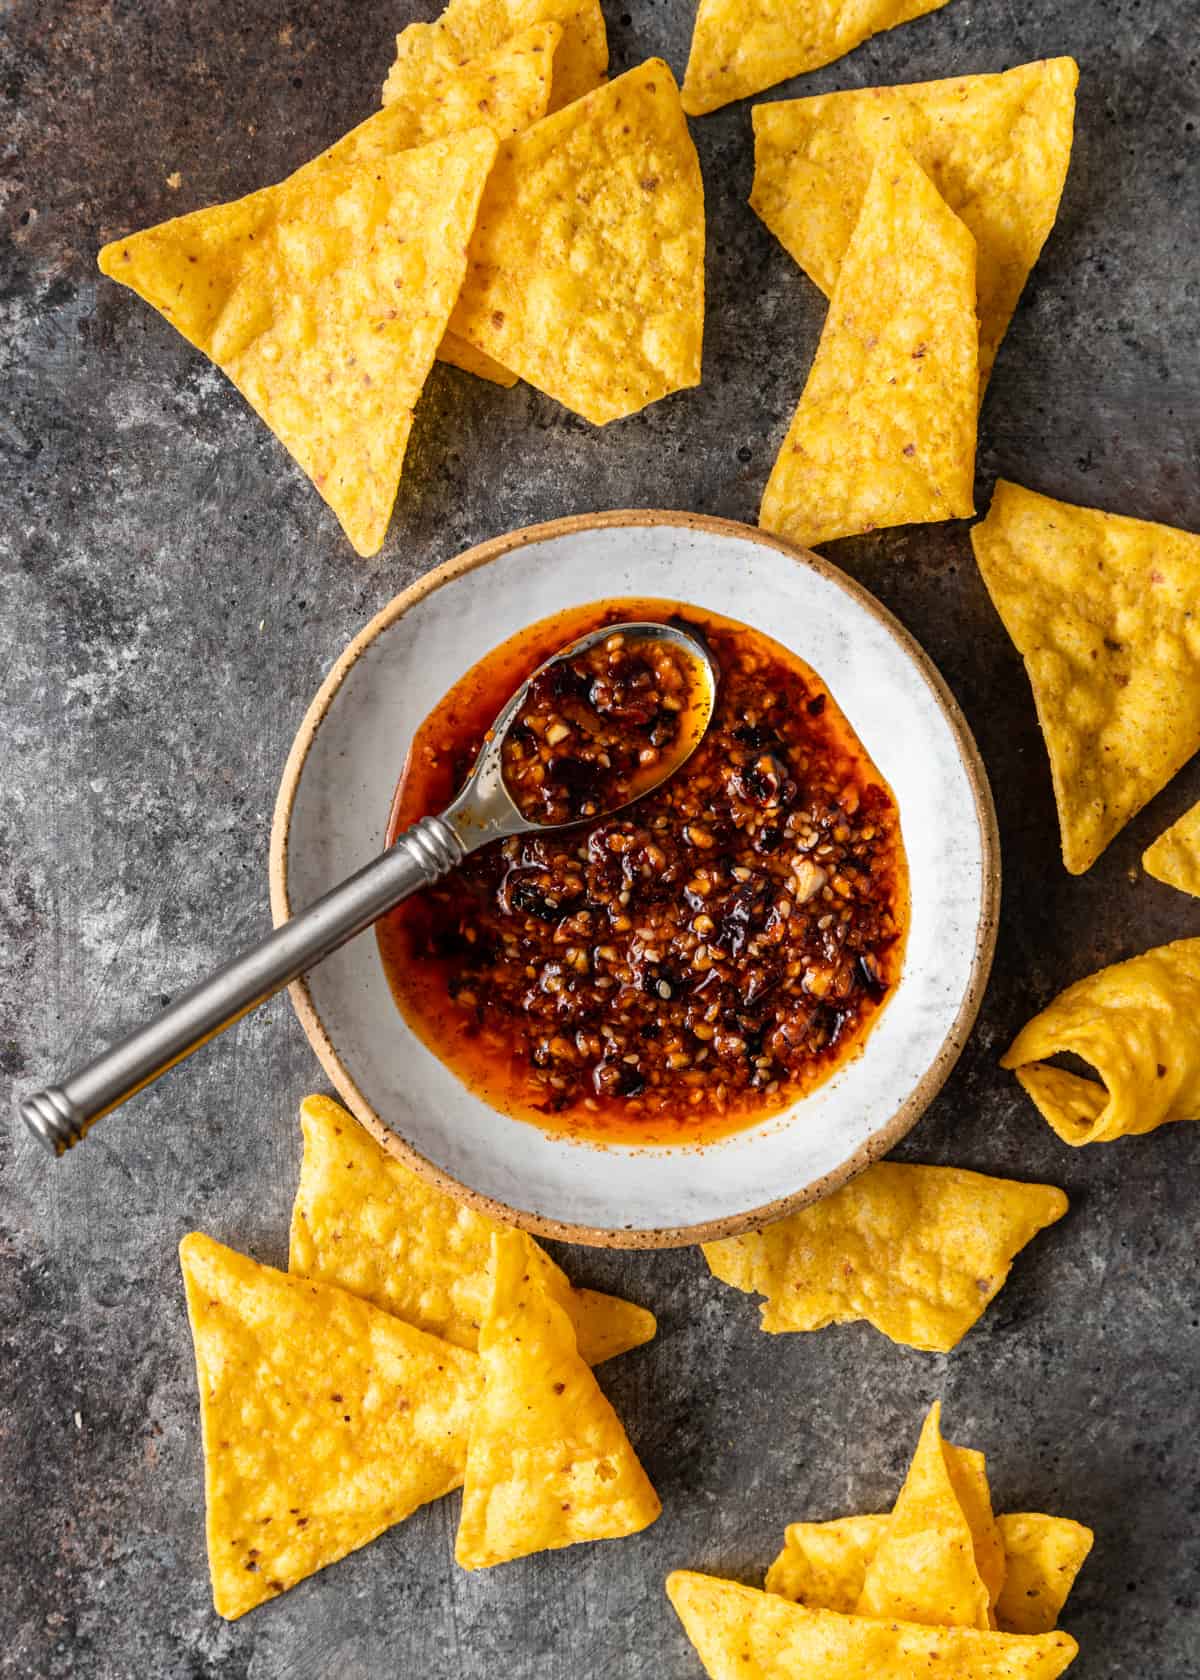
[484, 810]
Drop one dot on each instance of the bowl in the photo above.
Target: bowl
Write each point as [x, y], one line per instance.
[332, 812]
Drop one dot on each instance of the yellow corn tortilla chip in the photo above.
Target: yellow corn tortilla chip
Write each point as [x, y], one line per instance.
[1100, 608]
[740, 47]
[504, 90]
[324, 1421]
[1174, 858]
[996, 148]
[925, 1568]
[469, 28]
[1044, 1555]
[1138, 1024]
[548, 1462]
[586, 272]
[462, 355]
[968, 1477]
[324, 300]
[368, 1224]
[742, 1634]
[885, 431]
[917, 1251]
[823, 1565]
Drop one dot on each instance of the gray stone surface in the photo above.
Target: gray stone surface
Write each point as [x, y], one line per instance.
[174, 592]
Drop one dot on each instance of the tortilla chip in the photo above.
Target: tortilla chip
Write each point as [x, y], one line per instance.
[885, 431]
[1044, 1555]
[324, 1421]
[462, 355]
[1100, 608]
[469, 28]
[924, 1569]
[823, 1565]
[917, 1251]
[1174, 858]
[586, 272]
[548, 1462]
[368, 1224]
[995, 147]
[1138, 1024]
[968, 1477]
[324, 300]
[504, 90]
[740, 47]
[742, 1634]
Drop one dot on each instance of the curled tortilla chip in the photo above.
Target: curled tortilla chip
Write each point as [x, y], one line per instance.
[586, 272]
[823, 1565]
[742, 1634]
[324, 1421]
[740, 47]
[925, 1568]
[469, 28]
[324, 299]
[1044, 1555]
[917, 1251]
[368, 1224]
[884, 433]
[997, 149]
[1138, 1024]
[1174, 858]
[1105, 612]
[548, 1462]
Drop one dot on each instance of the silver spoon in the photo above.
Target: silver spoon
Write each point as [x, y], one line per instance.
[483, 811]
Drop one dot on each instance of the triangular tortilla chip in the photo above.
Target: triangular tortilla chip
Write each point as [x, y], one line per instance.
[505, 90]
[995, 147]
[586, 272]
[742, 1634]
[1138, 1024]
[324, 1421]
[548, 1462]
[368, 1224]
[1100, 608]
[1044, 1555]
[469, 28]
[917, 1251]
[1174, 858]
[740, 47]
[885, 431]
[823, 1565]
[968, 1478]
[324, 300]
[924, 1569]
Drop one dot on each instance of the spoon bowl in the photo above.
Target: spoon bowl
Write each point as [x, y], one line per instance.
[484, 809]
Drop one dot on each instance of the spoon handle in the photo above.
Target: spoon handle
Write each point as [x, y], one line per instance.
[61, 1114]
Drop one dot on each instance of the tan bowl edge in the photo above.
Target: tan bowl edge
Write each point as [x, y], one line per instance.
[905, 1117]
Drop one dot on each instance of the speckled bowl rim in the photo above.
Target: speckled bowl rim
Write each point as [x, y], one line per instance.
[884, 1137]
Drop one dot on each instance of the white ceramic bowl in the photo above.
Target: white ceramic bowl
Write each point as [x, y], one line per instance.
[333, 807]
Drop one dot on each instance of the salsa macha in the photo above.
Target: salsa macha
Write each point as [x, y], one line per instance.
[686, 966]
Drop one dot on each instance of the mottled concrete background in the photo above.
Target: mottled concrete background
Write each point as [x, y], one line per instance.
[174, 592]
